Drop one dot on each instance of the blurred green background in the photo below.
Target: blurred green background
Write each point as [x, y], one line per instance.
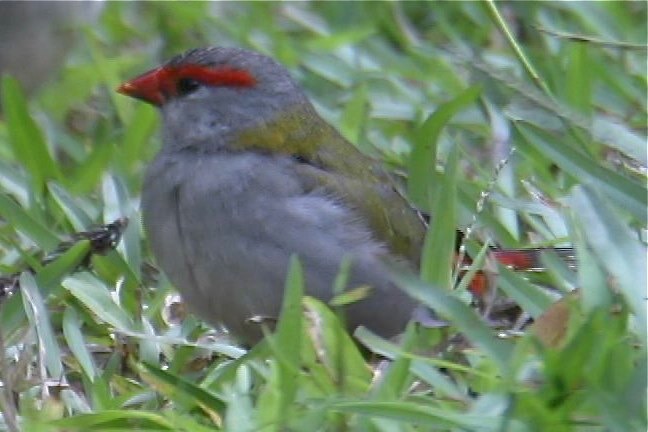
[544, 105]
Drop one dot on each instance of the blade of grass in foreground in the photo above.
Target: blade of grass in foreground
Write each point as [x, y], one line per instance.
[462, 316]
[12, 311]
[439, 245]
[422, 178]
[619, 251]
[286, 342]
[629, 194]
[176, 387]
[39, 318]
[26, 138]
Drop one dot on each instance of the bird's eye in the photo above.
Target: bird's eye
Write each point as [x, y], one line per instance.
[186, 86]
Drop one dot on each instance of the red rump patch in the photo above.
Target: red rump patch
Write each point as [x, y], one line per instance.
[158, 85]
[517, 259]
[478, 285]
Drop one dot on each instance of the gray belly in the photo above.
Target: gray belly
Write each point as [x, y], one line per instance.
[223, 229]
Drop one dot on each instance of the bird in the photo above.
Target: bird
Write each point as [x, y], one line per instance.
[249, 175]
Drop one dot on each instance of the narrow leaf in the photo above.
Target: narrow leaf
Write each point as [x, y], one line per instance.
[25, 137]
[22, 221]
[39, 318]
[288, 337]
[628, 193]
[77, 343]
[422, 163]
[439, 246]
[616, 246]
[96, 297]
[461, 315]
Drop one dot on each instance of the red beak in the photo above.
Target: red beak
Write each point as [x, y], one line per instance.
[148, 87]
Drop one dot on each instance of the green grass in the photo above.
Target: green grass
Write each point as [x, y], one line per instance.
[442, 91]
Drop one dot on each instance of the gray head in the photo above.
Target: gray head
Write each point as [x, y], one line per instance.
[209, 95]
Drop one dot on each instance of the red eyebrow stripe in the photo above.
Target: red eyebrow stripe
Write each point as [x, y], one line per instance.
[211, 75]
[157, 85]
